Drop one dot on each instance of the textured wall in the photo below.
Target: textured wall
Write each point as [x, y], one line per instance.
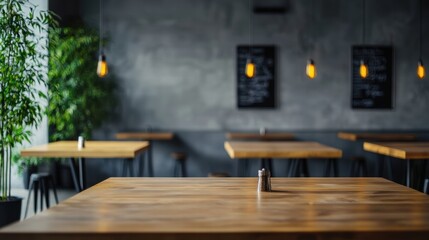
[175, 61]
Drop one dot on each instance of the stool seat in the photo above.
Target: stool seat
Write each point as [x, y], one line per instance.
[178, 155]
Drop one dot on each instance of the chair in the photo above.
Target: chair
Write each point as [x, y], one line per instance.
[39, 183]
[180, 164]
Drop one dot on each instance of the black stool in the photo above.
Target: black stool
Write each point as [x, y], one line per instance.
[180, 159]
[40, 182]
[358, 167]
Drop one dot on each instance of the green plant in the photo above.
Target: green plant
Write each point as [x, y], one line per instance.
[23, 48]
[79, 101]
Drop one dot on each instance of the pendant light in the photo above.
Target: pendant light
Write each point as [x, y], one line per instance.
[363, 68]
[102, 68]
[250, 70]
[310, 69]
[420, 67]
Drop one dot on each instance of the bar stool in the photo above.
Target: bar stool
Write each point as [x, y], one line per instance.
[180, 159]
[40, 182]
[358, 167]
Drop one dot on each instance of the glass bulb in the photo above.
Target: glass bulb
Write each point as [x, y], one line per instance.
[250, 69]
[363, 70]
[102, 69]
[311, 69]
[420, 69]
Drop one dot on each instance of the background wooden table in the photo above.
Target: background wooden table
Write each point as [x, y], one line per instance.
[365, 136]
[93, 149]
[288, 150]
[402, 150]
[150, 137]
[231, 208]
[271, 136]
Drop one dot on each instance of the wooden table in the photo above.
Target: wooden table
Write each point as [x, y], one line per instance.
[379, 137]
[231, 208]
[93, 149]
[365, 136]
[289, 150]
[148, 136]
[402, 150]
[277, 136]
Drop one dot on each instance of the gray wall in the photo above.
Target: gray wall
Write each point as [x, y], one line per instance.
[175, 61]
[175, 64]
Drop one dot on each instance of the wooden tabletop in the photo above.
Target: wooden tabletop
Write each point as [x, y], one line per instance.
[236, 149]
[93, 149]
[145, 135]
[402, 150]
[258, 136]
[352, 136]
[231, 208]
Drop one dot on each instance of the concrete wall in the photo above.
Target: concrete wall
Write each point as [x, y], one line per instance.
[175, 64]
[175, 61]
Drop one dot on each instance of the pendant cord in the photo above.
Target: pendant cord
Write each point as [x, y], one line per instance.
[420, 29]
[363, 22]
[101, 27]
[250, 29]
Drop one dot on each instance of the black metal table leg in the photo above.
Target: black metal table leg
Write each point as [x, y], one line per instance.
[82, 173]
[335, 164]
[380, 166]
[328, 167]
[149, 159]
[141, 165]
[408, 172]
[73, 174]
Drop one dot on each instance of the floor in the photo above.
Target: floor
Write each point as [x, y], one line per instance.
[63, 194]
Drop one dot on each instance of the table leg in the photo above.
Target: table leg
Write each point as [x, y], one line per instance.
[73, 174]
[82, 173]
[270, 166]
[141, 164]
[149, 159]
[335, 164]
[380, 166]
[328, 168]
[408, 172]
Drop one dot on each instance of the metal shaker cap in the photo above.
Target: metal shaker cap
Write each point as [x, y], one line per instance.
[262, 172]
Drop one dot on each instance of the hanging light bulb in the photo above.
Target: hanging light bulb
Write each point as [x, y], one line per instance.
[310, 70]
[420, 69]
[102, 69]
[363, 69]
[250, 68]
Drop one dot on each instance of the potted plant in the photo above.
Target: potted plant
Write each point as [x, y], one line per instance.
[23, 56]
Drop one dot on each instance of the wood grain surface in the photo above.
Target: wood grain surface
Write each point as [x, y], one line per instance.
[243, 149]
[352, 136]
[402, 150]
[145, 136]
[93, 149]
[257, 136]
[231, 208]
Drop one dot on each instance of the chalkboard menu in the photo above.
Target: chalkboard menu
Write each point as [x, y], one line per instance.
[259, 91]
[375, 91]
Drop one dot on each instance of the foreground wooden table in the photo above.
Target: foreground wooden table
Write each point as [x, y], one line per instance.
[148, 136]
[231, 208]
[287, 150]
[402, 150]
[93, 149]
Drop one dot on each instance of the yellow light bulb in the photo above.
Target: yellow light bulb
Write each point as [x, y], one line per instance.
[311, 69]
[420, 70]
[363, 70]
[250, 69]
[102, 69]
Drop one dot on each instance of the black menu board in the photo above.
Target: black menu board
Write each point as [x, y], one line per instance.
[375, 91]
[259, 91]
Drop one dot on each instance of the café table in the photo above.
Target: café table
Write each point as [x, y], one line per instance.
[377, 137]
[150, 137]
[231, 208]
[270, 136]
[93, 149]
[296, 151]
[408, 151]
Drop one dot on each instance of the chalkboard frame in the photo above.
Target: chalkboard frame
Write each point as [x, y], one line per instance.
[272, 100]
[389, 105]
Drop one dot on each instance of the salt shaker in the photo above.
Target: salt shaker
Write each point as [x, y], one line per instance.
[262, 131]
[80, 143]
[264, 180]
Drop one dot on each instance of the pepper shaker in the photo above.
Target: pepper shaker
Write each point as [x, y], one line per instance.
[264, 181]
[80, 143]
